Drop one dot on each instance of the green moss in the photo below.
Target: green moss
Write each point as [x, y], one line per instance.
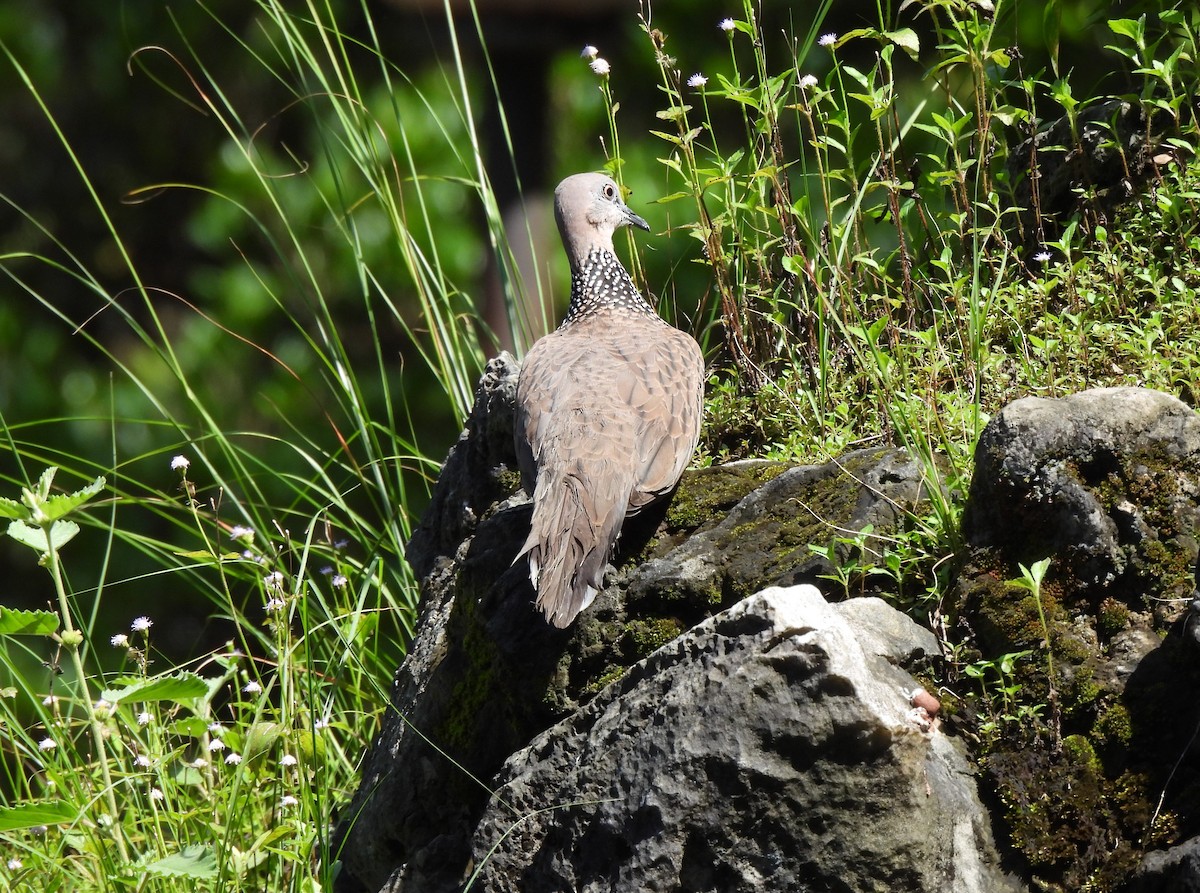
[1079, 751]
[1114, 726]
[1112, 617]
[508, 481]
[605, 680]
[1081, 692]
[650, 635]
[708, 494]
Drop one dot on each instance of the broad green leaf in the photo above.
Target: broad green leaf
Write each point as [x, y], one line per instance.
[189, 727]
[192, 861]
[27, 623]
[61, 533]
[31, 815]
[907, 40]
[180, 688]
[1131, 28]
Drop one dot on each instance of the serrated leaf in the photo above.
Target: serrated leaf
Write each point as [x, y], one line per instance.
[673, 113]
[15, 622]
[31, 815]
[65, 503]
[180, 688]
[195, 861]
[60, 533]
[10, 508]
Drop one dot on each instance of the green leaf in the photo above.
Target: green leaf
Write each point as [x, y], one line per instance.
[31, 815]
[195, 861]
[63, 504]
[907, 40]
[10, 508]
[27, 623]
[188, 727]
[61, 533]
[181, 688]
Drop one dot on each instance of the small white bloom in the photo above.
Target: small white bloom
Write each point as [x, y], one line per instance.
[156, 794]
[239, 532]
[251, 687]
[288, 800]
[339, 581]
[142, 625]
[14, 864]
[232, 759]
[102, 709]
[809, 80]
[104, 820]
[120, 640]
[600, 67]
[727, 25]
[180, 463]
[1042, 256]
[321, 724]
[697, 80]
[143, 718]
[273, 605]
[589, 52]
[216, 745]
[827, 40]
[274, 580]
[141, 761]
[215, 728]
[50, 700]
[287, 760]
[326, 570]
[47, 743]
[199, 763]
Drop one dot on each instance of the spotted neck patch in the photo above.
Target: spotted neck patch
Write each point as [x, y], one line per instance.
[603, 284]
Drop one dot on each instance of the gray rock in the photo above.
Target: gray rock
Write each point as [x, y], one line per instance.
[1176, 870]
[1106, 481]
[485, 673]
[772, 747]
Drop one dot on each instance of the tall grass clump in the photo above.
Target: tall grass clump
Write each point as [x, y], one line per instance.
[126, 763]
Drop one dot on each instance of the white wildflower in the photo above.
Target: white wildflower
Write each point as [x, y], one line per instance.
[589, 52]
[274, 604]
[251, 688]
[287, 800]
[14, 864]
[827, 40]
[339, 581]
[287, 760]
[120, 640]
[232, 759]
[216, 745]
[808, 81]
[157, 794]
[142, 625]
[47, 743]
[240, 532]
[180, 463]
[274, 580]
[1042, 256]
[141, 761]
[727, 25]
[697, 80]
[143, 718]
[600, 67]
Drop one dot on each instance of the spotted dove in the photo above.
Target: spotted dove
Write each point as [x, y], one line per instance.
[608, 406]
